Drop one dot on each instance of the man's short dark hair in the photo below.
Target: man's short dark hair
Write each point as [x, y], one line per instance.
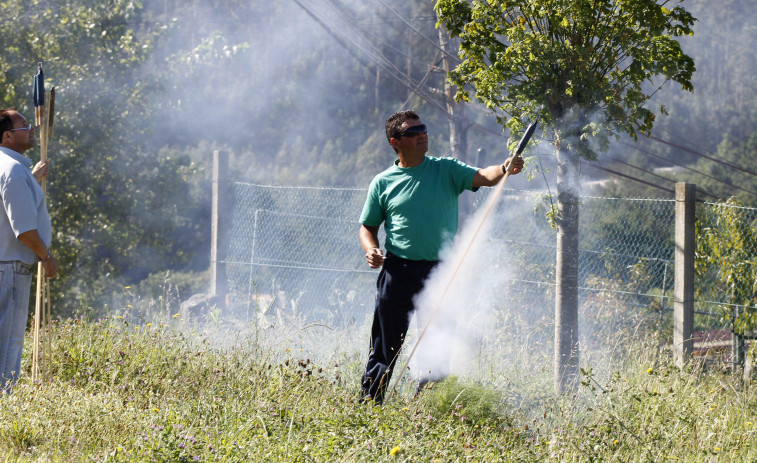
[6, 121]
[395, 121]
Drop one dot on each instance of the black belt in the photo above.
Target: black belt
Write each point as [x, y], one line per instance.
[18, 262]
[410, 261]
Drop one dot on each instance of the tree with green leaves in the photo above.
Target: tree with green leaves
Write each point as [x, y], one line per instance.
[726, 247]
[588, 69]
[114, 203]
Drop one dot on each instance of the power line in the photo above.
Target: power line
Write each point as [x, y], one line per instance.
[689, 150]
[374, 55]
[328, 29]
[612, 172]
[659, 176]
[642, 170]
[399, 75]
[689, 169]
[432, 42]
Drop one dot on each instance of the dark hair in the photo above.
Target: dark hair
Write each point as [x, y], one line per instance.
[6, 121]
[395, 121]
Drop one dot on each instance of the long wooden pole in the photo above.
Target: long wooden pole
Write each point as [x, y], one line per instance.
[40, 361]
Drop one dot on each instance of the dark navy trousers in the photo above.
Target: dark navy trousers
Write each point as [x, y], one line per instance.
[399, 281]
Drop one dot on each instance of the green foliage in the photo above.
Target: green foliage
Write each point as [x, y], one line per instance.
[19, 434]
[581, 66]
[469, 402]
[119, 212]
[726, 245]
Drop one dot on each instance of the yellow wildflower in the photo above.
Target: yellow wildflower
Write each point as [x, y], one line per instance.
[395, 450]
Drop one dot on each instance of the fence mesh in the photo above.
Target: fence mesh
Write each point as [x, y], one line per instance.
[297, 249]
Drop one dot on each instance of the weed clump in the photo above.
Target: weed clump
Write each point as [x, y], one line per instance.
[468, 402]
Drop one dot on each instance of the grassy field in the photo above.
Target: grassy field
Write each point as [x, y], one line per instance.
[169, 391]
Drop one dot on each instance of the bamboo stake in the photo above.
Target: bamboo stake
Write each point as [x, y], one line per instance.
[48, 316]
[40, 361]
[48, 333]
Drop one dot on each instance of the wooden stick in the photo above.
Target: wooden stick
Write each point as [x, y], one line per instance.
[37, 323]
[40, 311]
[48, 333]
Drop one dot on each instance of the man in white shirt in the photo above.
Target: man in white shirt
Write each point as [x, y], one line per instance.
[25, 236]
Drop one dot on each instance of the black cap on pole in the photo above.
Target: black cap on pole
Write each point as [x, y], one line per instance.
[526, 137]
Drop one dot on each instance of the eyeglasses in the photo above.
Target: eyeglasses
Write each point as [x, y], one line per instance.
[413, 131]
[27, 127]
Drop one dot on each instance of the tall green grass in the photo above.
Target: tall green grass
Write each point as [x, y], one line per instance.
[171, 390]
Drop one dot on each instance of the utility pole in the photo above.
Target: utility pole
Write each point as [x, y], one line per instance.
[458, 133]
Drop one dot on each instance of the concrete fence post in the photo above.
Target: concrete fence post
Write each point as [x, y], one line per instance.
[683, 305]
[219, 226]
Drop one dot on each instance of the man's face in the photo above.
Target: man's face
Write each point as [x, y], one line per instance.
[409, 145]
[20, 138]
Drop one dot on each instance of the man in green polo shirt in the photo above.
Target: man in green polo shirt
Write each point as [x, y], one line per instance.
[417, 201]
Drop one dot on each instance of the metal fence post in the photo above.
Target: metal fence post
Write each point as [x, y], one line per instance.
[218, 226]
[683, 306]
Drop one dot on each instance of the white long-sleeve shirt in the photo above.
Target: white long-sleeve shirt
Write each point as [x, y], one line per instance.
[24, 207]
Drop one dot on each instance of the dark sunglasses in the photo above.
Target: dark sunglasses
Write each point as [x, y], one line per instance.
[413, 131]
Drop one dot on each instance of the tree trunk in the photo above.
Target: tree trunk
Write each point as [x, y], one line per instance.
[566, 278]
[458, 136]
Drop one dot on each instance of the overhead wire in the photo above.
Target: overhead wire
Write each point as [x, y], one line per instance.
[376, 55]
[393, 48]
[378, 58]
[635, 179]
[736, 187]
[641, 169]
[420, 34]
[329, 30]
[696, 153]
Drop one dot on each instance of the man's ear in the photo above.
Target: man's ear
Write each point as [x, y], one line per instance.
[394, 142]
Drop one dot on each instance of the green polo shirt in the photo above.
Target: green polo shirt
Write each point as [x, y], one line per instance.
[418, 205]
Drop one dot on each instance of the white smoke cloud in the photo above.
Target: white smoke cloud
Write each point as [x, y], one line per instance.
[457, 305]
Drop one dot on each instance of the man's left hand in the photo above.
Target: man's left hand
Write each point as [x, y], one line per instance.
[40, 170]
[51, 266]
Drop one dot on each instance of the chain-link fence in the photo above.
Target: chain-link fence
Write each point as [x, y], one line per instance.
[297, 250]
